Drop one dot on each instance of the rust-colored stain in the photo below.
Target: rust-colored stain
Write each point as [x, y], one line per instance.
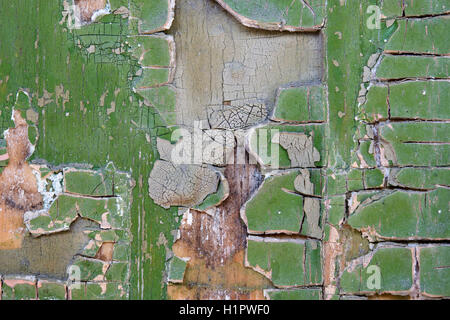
[88, 7]
[216, 247]
[18, 186]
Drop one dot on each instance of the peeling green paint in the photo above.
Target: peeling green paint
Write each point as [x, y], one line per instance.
[303, 104]
[177, 268]
[295, 294]
[424, 7]
[279, 14]
[395, 269]
[420, 36]
[51, 290]
[400, 67]
[106, 97]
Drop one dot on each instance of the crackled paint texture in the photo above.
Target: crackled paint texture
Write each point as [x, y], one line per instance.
[347, 200]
